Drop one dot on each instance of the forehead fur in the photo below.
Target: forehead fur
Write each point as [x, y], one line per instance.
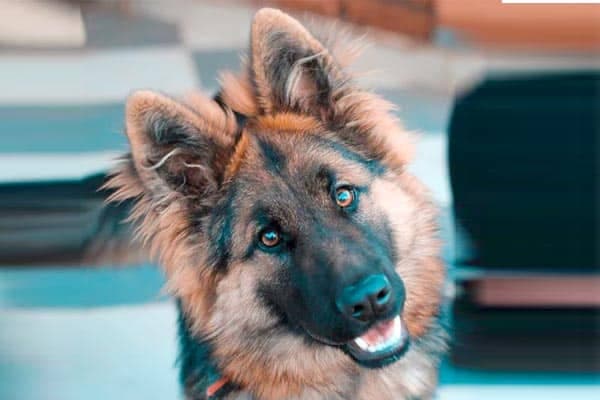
[300, 154]
[369, 117]
[273, 124]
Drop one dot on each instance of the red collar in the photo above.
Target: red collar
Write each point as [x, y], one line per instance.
[213, 390]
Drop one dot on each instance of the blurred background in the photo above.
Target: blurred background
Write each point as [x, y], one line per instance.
[506, 98]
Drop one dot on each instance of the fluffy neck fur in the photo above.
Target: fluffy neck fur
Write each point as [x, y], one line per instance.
[414, 376]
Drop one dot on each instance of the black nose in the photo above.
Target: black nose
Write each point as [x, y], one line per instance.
[366, 299]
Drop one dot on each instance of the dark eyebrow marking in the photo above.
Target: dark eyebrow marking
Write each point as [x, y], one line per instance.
[325, 175]
[263, 216]
[275, 161]
[221, 230]
[373, 166]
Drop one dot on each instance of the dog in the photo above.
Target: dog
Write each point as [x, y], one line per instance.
[302, 254]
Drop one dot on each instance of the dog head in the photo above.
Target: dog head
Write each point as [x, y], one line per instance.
[298, 243]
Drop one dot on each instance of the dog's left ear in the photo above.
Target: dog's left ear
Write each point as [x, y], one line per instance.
[175, 148]
[291, 69]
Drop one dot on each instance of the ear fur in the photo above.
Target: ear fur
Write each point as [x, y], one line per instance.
[291, 69]
[175, 148]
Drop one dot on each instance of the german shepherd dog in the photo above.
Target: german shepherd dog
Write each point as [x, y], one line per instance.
[301, 252]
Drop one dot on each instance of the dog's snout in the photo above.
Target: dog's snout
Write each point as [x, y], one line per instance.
[367, 299]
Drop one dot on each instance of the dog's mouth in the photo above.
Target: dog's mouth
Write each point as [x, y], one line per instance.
[381, 345]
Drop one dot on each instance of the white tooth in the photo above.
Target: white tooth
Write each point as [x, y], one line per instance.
[361, 343]
[397, 328]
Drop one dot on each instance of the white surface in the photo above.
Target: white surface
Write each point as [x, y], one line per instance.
[431, 167]
[100, 353]
[35, 167]
[57, 24]
[94, 77]
[204, 25]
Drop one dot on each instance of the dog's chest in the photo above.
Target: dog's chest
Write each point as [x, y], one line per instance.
[393, 383]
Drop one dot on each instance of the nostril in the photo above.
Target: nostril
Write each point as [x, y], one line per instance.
[366, 299]
[383, 296]
[358, 310]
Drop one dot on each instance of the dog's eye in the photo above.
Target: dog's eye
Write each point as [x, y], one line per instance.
[270, 237]
[345, 196]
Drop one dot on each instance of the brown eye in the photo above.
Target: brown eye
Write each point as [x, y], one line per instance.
[345, 196]
[270, 237]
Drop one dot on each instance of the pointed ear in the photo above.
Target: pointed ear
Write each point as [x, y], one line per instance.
[174, 148]
[292, 70]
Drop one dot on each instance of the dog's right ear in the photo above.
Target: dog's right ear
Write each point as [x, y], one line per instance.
[174, 148]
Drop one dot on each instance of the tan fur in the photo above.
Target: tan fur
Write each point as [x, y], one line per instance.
[238, 94]
[406, 202]
[236, 159]
[288, 122]
[249, 347]
[218, 120]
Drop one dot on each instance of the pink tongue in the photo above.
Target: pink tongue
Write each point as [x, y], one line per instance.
[378, 333]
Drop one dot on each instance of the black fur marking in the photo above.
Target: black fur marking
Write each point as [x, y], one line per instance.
[168, 131]
[372, 165]
[275, 161]
[360, 140]
[319, 180]
[221, 229]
